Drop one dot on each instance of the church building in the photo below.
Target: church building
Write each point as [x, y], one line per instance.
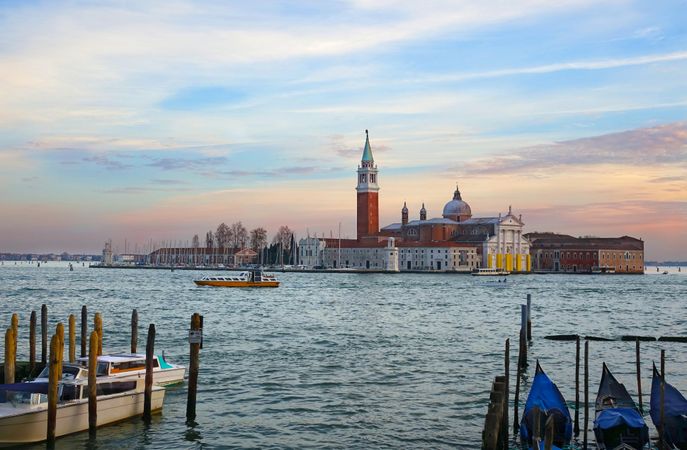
[456, 241]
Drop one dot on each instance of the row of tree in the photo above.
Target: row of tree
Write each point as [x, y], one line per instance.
[237, 236]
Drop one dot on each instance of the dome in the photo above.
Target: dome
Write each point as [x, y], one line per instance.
[457, 209]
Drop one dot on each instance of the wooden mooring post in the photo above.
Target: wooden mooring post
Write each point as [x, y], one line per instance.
[194, 340]
[98, 327]
[577, 387]
[662, 402]
[522, 358]
[10, 355]
[32, 343]
[639, 375]
[72, 338]
[134, 331]
[586, 393]
[53, 380]
[44, 334]
[148, 395]
[492, 435]
[92, 386]
[529, 317]
[506, 422]
[84, 330]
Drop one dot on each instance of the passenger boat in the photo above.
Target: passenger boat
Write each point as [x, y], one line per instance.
[489, 272]
[674, 413]
[24, 411]
[122, 366]
[251, 278]
[544, 401]
[618, 424]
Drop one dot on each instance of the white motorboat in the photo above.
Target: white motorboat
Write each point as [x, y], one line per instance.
[490, 272]
[24, 411]
[123, 366]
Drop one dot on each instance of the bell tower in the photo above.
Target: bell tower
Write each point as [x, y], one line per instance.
[368, 194]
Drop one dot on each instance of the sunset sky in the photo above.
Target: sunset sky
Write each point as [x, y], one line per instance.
[158, 120]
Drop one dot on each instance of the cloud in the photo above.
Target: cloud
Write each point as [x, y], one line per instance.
[165, 181]
[338, 145]
[275, 173]
[107, 162]
[664, 145]
[141, 190]
[188, 163]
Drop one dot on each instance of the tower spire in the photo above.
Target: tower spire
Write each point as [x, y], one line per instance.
[367, 151]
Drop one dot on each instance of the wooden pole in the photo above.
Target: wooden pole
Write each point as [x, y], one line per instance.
[505, 422]
[98, 327]
[15, 327]
[586, 392]
[577, 387]
[92, 386]
[32, 343]
[84, 330]
[59, 331]
[518, 373]
[522, 359]
[72, 338]
[53, 380]
[529, 317]
[10, 356]
[44, 334]
[661, 428]
[548, 434]
[134, 331]
[147, 399]
[639, 375]
[193, 372]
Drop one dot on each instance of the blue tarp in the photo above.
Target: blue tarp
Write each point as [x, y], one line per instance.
[674, 402]
[35, 388]
[614, 417]
[545, 395]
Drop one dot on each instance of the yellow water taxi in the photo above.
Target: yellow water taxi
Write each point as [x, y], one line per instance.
[252, 278]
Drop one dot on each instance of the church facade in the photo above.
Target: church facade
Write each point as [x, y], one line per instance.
[456, 241]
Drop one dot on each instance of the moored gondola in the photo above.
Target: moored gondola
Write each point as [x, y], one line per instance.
[618, 423]
[544, 401]
[674, 413]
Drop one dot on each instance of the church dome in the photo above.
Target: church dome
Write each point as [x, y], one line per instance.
[457, 209]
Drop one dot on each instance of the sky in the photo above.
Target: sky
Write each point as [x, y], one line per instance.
[158, 120]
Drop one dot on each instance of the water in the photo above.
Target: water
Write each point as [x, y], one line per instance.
[353, 360]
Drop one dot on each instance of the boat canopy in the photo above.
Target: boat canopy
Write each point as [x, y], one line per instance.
[34, 388]
[545, 395]
[615, 417]
[674, 403]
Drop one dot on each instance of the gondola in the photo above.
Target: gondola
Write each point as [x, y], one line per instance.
[618, 424]
[544, 401]
[674, 413]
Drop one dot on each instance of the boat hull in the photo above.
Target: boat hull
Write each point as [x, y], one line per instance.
[236, 283]
[31, 426]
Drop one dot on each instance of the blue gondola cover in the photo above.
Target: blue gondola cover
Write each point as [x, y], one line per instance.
[610, 418]
[545, 395]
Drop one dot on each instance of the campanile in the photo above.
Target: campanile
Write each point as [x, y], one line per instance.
[368, 194]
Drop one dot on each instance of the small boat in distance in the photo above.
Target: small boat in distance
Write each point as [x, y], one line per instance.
[543, 402]
[251, 278]
[674, 412]
[489, 272]
[618, 423]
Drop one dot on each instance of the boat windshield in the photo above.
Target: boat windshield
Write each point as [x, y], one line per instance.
[68, 372]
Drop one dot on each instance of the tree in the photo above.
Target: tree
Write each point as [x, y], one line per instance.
[195, 243]
[222, 235]
[258, 239]
[239, 235]
[209, 239]
[283, 237]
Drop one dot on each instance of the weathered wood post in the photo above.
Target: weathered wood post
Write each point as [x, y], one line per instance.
[72, 338]
[134, 331]
[59, 331]
[577, 387]
[639, 375]
[84, 330]
[15, 327]
[10, 356]
[193, 371]
[662, 400]
[548, 434]
[516, 399]
[505, 422]
[32, 343]
[98, 327]
[148, 395]
[92, 386]
[529, 317]
[44, 334]
[522, 359]
[586, 392]
[53, 380]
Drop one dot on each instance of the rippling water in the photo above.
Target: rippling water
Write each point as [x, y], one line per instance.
[353, 360]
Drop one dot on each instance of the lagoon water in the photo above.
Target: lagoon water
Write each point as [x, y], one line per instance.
[353, 360]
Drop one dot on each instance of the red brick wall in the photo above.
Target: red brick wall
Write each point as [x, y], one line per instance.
[368, 214]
